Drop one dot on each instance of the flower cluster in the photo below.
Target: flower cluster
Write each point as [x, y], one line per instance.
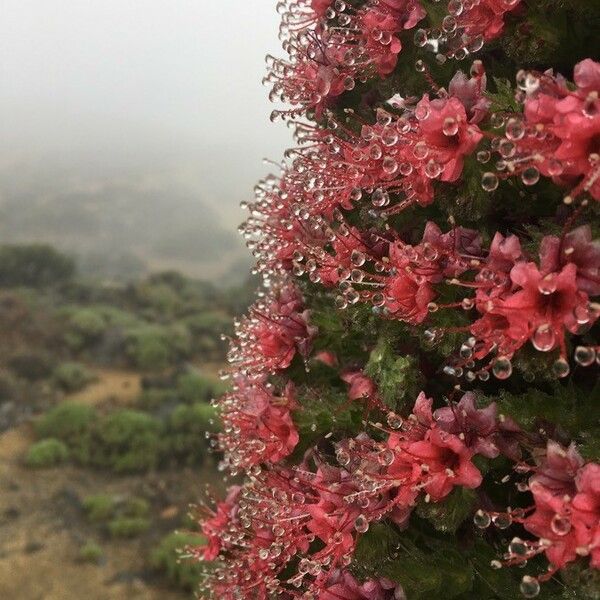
[339, 217]
[276, 329]
[467, 25]
[564, 518]
[331, 45]
[263, 528]
[558, 134]
[257, 424]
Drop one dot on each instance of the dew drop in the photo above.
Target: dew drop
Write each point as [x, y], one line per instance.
[502, 368]
[361, 524]
[584, 356]
[482, 519]
[543, 338]
[530, 587]
[561, 368]
[489, 182]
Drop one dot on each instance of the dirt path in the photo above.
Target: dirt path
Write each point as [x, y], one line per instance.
[42, 526]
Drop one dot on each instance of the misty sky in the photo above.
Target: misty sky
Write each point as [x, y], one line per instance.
[165, 88]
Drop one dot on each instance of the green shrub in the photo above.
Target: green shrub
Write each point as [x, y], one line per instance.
[33, 265]
[91, 552]
[72, 377]
[154, 398]
[46, 453]
[128, 527]
[99, 507]
[136, 507]
[127, 441]
[193, 387]
[31, 366]
[71, 424]
[167, 558]
[88, 322]
[186, 432]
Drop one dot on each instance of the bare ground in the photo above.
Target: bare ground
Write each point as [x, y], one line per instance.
[42, 524]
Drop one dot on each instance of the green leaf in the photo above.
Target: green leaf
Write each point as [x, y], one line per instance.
[446, 516]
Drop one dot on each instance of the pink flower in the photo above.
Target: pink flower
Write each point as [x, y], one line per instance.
[410, 11]
[214, 527]
[361, 386]
[448, 463]
[471, 92]
[327, 358]
[486, 17]
[342, 585]
[587, 76]
[570, 150]
[476, 427]
[558, 469]
[505, 252]
[448, 134]
[578, 248]
[407, 300]
[378, 28]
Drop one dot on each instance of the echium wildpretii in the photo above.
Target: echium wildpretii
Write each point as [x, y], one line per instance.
[365, 222]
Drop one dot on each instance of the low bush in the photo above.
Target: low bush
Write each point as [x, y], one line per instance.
[193, 387]
[99, 507]
[186, 432]
[181, 572]
[46, 453]
[71, 424]
[31, 366]
[91, 552]
[128, 527]
[127, 441]
[72, 376]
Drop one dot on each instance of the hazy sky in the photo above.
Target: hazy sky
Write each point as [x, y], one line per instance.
[113, 87]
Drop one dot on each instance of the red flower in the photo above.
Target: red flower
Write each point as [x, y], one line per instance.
[578, 248]
[448, 134]
[341, 585]
[478, 428]
[407, 300]
[471, 92]
[361, 386]
[486, 17]
[214, 527]
[448, 463]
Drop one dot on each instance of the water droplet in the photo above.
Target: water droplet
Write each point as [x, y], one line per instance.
[517, 547]
[529, 587]
[515, 129]
[585, 356]
[361, 524]
[380, 198]
[502, 368]
[530, 176]
[420, 38]
[547, 284]
[450, 126]
[386, 457]
[543, 338]
[482, 519]
[502, 521]
[489, 182]
[394, 420]
[561, 368]
[343, 457]
[560, 525]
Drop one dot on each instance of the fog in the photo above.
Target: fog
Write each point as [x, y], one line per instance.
[158, 99]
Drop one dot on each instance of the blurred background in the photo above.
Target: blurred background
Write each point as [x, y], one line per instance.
[130, 131]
